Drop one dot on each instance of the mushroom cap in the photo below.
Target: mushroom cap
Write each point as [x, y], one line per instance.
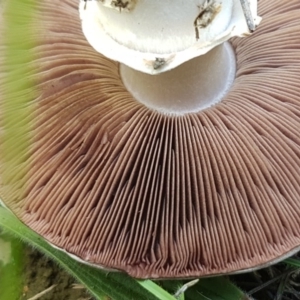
[124, 187]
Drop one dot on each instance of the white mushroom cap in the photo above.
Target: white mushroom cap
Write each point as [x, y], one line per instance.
[156, 36]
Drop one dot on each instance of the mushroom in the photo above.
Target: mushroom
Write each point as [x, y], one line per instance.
[194, 190]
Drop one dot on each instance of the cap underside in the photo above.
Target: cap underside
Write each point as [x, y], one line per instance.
[121, 185]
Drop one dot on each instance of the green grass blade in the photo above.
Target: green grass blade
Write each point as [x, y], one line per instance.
[11, 268]
[155, 289]
[215, 288]
[293, 262]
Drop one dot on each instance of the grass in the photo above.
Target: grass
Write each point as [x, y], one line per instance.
[11, 267]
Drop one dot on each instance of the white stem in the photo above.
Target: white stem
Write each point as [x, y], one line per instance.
[193, 86]
[156, 36]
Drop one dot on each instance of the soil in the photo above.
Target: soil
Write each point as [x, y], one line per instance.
[41, 273]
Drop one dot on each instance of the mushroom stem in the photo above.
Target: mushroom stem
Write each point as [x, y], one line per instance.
[156, 36]
[191, 87]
